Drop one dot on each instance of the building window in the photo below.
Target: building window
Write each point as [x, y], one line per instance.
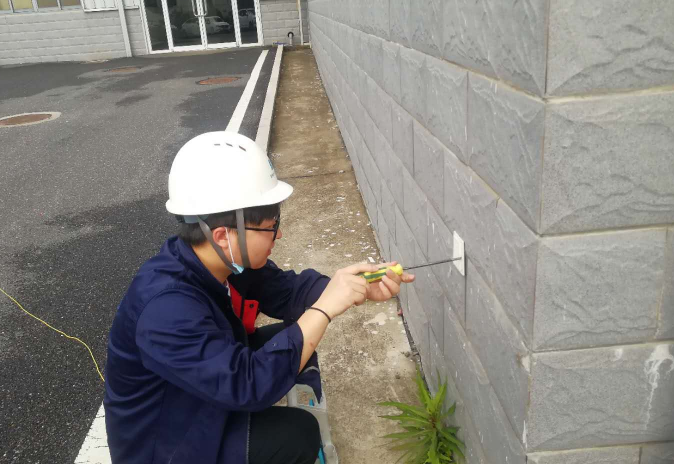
[47, 3]
[27, 6]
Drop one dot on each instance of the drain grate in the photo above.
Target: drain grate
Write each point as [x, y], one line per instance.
[124, 69]
[27, 119]
[218, 80]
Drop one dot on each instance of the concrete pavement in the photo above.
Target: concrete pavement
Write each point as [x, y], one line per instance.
[365, 355]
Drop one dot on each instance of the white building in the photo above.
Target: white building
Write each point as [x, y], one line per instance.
[34, 31]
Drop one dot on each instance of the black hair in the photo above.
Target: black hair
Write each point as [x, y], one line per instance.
[253, 216]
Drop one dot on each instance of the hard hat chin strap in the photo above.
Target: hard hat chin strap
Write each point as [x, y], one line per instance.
[241, 229]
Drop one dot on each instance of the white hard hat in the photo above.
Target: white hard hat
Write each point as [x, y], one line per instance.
[222, 171]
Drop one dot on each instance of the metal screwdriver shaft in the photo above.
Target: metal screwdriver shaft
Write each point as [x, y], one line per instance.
[432, 264]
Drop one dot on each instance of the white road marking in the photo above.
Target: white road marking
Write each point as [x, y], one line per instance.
[95, 448]
[242, 106]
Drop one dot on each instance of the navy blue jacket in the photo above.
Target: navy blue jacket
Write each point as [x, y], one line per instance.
[180, 379]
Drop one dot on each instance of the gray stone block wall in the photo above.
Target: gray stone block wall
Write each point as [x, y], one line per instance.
[282, 16]
[542, 132]
[68, 35]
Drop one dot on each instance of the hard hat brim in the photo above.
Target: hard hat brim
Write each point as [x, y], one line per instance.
[279, 193]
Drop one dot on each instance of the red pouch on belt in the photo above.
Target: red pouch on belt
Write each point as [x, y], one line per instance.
[245, 310]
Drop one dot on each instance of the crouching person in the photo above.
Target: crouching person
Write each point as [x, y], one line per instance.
[189, 379]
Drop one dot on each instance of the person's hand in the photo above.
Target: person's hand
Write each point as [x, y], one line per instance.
[345, 289]
[389, 285]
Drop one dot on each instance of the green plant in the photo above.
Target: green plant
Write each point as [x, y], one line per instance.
[426, 439]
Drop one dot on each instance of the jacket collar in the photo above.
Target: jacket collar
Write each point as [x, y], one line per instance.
[202, 275]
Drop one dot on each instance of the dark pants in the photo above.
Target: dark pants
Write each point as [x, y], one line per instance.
[281, 435]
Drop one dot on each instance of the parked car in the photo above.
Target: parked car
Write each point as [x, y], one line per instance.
[247, 18]
[214, 25]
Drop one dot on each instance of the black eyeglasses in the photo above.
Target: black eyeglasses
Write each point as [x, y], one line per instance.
[273, 229]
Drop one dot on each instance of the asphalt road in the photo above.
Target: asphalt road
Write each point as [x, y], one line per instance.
[82, 207]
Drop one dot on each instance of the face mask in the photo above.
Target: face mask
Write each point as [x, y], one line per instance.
[238, 268]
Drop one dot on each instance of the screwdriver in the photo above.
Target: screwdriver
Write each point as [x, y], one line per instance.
[398, 269]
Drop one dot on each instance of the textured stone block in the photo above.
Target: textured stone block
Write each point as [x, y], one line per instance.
[621, 455]
[393, 177]
[418, 325]
[505, 134]
[367, 128]
[505, 39]
[370, 201]
[468, 200]
[500, 245]
[383, 236]
[340, 60]
[388, 208]
[440, 245]
[353, 78]
[509, 266]
[446, 103]
[497, 436]
[348, 43]
[467, 433]
[404, 238]
[381, 154]
[609, 46]
[430, 294]
[601, 397]
[402, 136]
[471, 438]
[363, 88]
[414, 208]
[372, 56]
[500, 348]
[662, 453]
[376, 17]
[391, 70]
[399, 24]
[429, 160]
[426, 31]
[599, 289]
[599, 171]
[413, 83]
[438, 368]
[369, 166]
[380, 111]
[666, 313]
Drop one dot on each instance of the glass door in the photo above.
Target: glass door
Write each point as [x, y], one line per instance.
[249, 13]
[186, 18]
[219, 23]
[177, 25]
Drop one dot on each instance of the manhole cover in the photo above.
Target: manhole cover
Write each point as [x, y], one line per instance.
[27, 119]
[218, 80]
[124, 69]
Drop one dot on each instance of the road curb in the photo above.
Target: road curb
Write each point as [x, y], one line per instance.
[264, 127]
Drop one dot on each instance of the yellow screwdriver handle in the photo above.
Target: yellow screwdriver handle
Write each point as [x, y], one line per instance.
[378, 275]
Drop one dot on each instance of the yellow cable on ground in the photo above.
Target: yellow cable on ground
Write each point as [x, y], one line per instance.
[59, 331]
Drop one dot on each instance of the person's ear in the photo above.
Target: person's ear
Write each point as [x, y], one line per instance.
[220, 236]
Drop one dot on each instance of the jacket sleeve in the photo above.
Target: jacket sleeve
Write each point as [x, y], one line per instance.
[285, 294]
[179, 340]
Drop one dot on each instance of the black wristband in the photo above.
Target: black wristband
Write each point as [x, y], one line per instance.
[326, 314]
